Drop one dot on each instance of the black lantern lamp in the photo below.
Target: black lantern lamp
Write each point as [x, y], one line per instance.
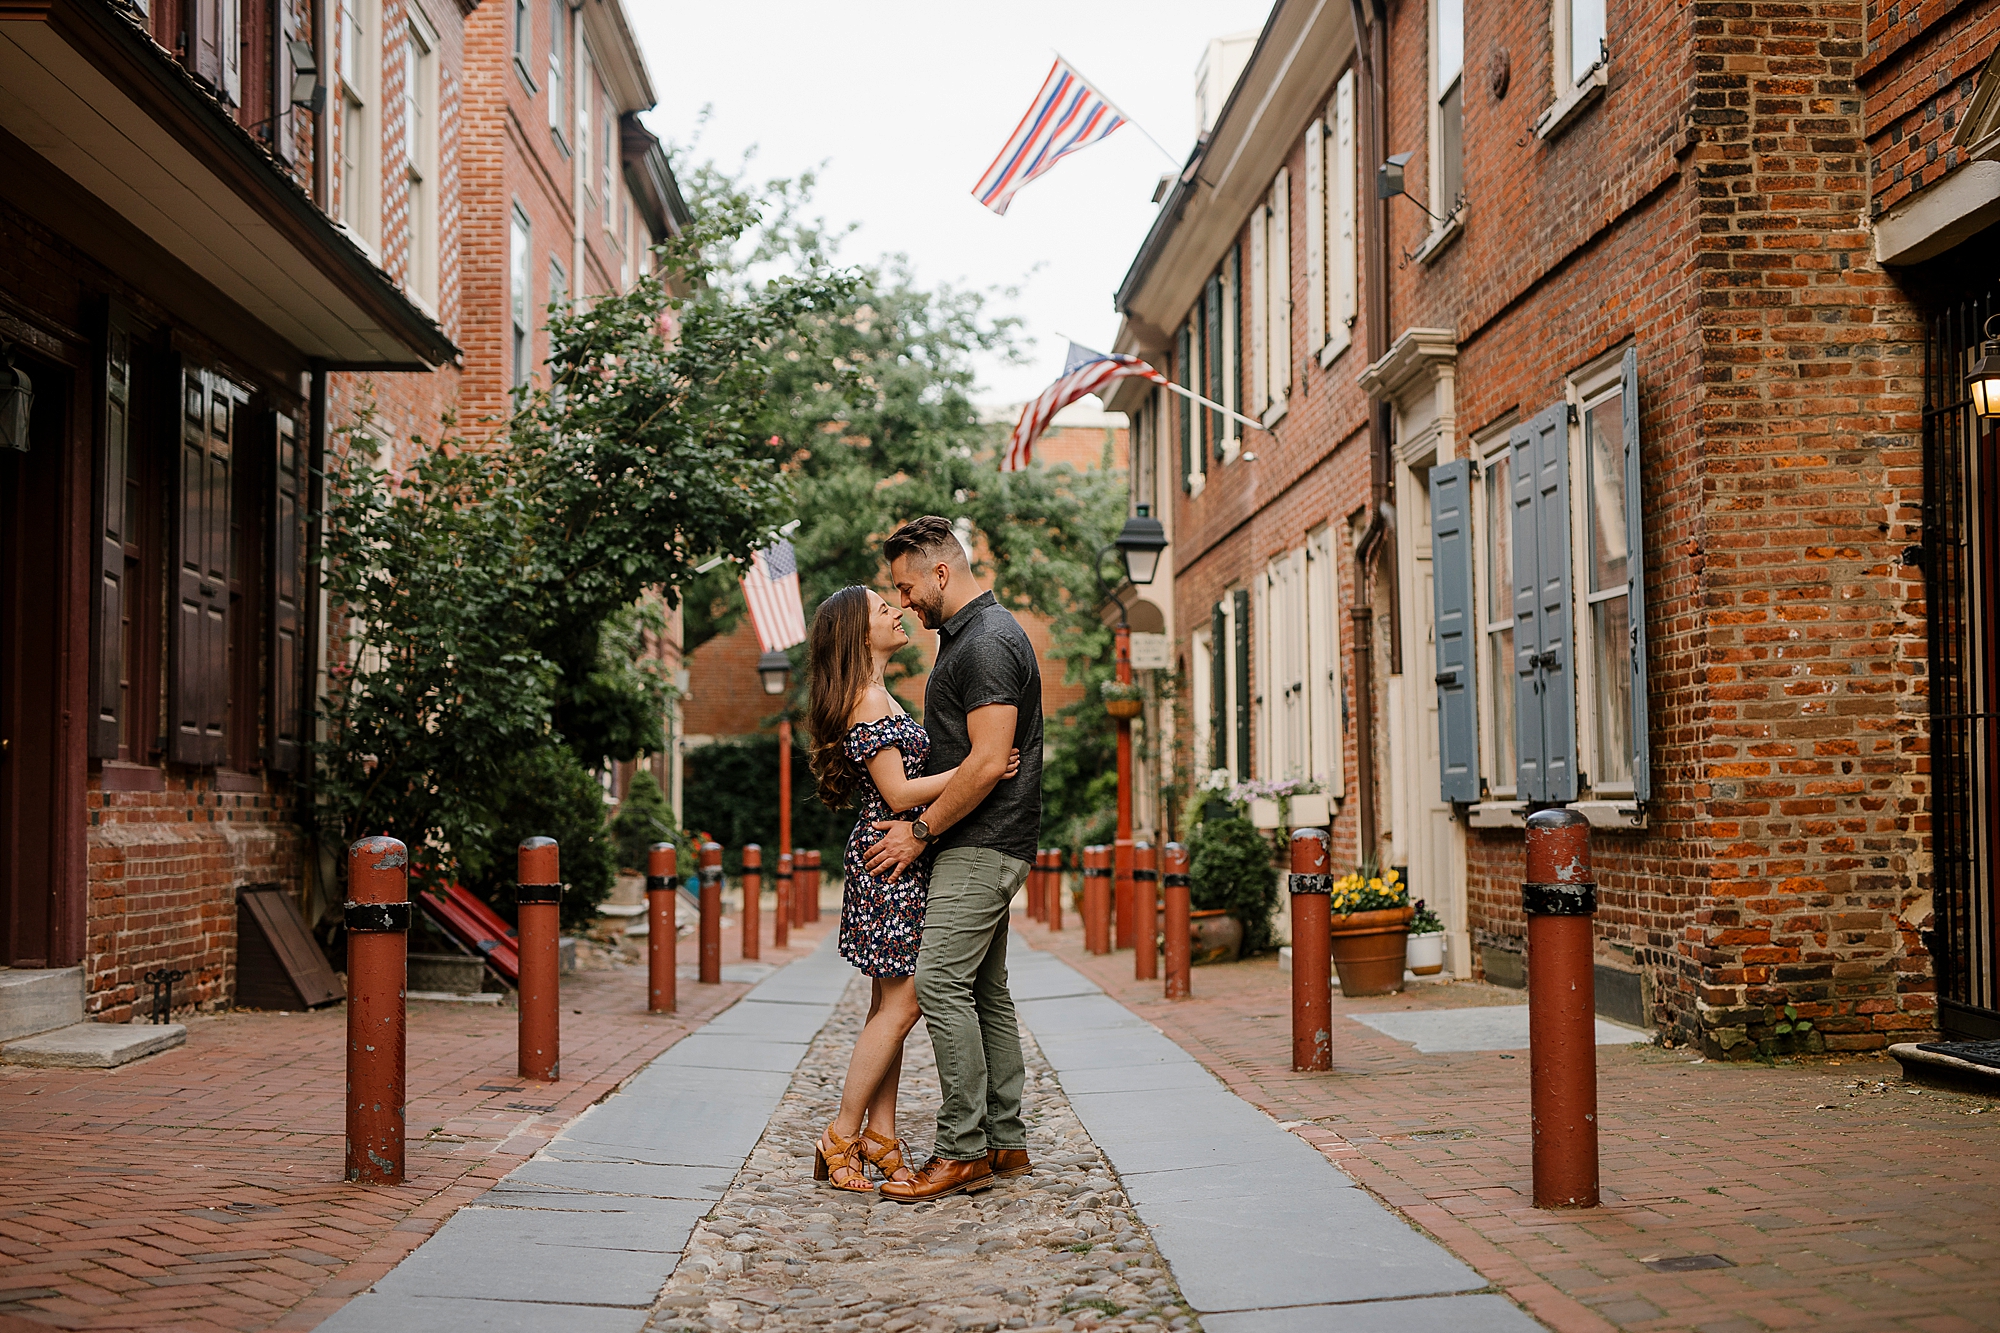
[775, 669]
[1140, 541]
[1984, 378]
[17, 404]
[307, 90]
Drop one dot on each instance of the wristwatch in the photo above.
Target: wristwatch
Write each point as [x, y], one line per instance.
[920, 831]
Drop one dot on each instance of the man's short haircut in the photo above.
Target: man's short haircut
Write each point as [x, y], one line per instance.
[930, 539]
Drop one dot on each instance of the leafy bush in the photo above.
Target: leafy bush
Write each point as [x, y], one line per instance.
[1426, 921]
[644, 818]
[730, 792]
[546, 792]
[1230, 866]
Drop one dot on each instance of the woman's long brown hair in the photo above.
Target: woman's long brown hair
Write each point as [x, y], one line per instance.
[838, 669]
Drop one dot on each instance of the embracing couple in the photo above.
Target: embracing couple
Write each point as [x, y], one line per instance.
[951, 814]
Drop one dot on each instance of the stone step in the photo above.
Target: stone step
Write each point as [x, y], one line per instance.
[39, 999]
[1955, 1066]
[94, 1045]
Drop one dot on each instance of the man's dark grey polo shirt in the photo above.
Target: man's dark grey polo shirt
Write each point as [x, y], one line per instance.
[984, 657]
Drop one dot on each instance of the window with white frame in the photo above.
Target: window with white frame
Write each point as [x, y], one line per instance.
[524, 40]
[1579, 41]
[420, 154]
[558, 285]
[360, 133]
[1284, 729]
[1325, 699]
[607, 154]
[1270, 296]
[521, 297]
[1201, 693]
[1448, 105]
[1540, 601]
[1228, 704]
[1332, 270]
[558, 81]
[586, 115]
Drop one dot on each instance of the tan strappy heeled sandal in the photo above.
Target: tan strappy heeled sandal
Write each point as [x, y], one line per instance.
[888, 1159]
[833, 1162]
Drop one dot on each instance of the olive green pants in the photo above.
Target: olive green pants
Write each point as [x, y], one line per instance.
[962, 990]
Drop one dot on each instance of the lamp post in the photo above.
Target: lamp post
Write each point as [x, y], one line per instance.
[775, 670]
[1983, 381]
[1139, 544]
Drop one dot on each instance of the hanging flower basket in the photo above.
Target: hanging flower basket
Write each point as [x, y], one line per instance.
[1122, 700]
[1124, 707]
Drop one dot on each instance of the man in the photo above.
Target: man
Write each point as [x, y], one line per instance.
[984, 700]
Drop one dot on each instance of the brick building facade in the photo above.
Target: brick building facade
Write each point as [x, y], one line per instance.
[1590, 473]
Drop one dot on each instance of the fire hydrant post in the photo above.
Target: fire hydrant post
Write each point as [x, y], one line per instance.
[781, 909]
[711, 914]
[1560, 898]
[1097, 899]
[1052, 894]
[753, 895]
[662, 931]
[1177, 885]
[1145, 911]
[1312, 952]
[538, 891]
[377, 917]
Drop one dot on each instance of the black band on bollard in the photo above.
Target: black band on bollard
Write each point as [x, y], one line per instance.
[659, 883]
[1559, 899]
[711, 874]
[1303, 883]
[1174, 881]
[1098, 872]
[377, 917]
[1145, 874]
[538, 893]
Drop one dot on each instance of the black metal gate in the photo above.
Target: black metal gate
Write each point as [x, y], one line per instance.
[1962, 566]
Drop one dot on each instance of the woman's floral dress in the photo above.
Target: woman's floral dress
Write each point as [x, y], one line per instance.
[881, 923]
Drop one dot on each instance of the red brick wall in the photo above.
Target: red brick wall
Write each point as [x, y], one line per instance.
[1919, 70]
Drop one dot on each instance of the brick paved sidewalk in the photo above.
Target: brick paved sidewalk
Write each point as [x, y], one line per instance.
[1842, 1198]
[201, 1189]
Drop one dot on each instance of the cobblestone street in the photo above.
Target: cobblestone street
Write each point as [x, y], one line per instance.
[1058, 1249]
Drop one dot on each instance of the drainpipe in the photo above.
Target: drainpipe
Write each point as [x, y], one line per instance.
[1371, 44]
[322, 40]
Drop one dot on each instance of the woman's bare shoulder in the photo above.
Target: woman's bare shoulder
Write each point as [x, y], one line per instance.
[874, 705]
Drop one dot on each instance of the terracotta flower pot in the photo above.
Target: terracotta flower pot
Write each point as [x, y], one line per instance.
[1214, 936]
[1124, 707]
[1369, 948]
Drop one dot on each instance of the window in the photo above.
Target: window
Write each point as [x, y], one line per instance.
[360, 138]
[586, 116]
[1448, 113]
[1229, 698]
[606, 155]
[523, 39]
[1331, 260]
[1579, 41]
[521, 298]
[1194, 458]
[558, 286]
[1201, 690]
[1496, 601]
[558, 69]
[1607, 589]
[1271, 303]
[420, 132]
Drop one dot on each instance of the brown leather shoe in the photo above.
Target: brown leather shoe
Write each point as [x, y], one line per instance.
[1009, 1162]
[940, 1176]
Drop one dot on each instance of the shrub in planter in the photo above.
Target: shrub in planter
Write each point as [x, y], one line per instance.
[644, 818]
[547, 792]
[1230, 866]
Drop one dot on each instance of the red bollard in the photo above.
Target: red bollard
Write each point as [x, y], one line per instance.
[753, 899]
[1121, 892]
[378, 923]
[1097, 899]
[1560, 899]
[1180, 944]
[1145, 911]
[781, 910]
[812, 884]
[711, 914]
[1053, 899]
[1037, 881]
[662, 932]
[538, 891]
[1312, 952]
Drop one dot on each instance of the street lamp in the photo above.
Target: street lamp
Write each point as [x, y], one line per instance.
[1140, 541]
[1984, 378]
[775, 669]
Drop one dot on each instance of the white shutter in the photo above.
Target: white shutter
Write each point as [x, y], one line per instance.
[1278, 263]
[1340, 190]
[229, 15]
[1258, 289]
[1323, 691]
[1315, 236]
[1264, 676]
[1298, 738]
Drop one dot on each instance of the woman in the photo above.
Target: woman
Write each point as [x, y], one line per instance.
[865, 744]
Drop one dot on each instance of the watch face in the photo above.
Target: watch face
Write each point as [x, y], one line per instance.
[921, 830]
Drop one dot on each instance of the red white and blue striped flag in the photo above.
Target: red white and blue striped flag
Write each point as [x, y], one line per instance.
[771, 587]
[1067, 114]
[1084, 372]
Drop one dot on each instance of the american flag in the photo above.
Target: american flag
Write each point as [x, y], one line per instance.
[1084, 371]
[772, 590]
[1067, 114]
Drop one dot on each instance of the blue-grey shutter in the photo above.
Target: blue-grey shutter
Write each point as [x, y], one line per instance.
[1635, 568]
[1453, 628]
[1211, 339]
[1545, 674]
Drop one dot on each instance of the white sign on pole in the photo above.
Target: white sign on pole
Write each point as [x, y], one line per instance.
[1152, 652]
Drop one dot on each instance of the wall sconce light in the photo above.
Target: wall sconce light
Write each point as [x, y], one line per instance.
[1389, 176]
[307, 90]
[17, 405]
[1984, 378]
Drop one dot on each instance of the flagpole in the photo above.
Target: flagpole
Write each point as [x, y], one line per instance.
[1211, 403]
[1119, 109]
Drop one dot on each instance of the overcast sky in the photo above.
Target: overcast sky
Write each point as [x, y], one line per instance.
[907, 103]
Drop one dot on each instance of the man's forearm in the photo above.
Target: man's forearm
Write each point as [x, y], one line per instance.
[972, 783]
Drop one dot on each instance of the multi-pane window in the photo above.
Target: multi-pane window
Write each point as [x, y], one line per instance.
[558, 82]
[420, 135]
[360, 142]
[1332, 270]
[520, 298]
[1448, 115]
[1270, 295]
[1607, 589]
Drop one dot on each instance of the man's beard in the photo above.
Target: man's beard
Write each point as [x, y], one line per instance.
[929, 606]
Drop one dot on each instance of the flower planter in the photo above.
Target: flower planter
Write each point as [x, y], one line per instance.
[1310, 810]
[1369, 950]
[1264, 813]
[1214, 937]
[1424, 955]
[1124, 707]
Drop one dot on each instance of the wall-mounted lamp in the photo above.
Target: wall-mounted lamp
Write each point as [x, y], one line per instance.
[1984, 377]
[1389, 176]
[17, 405]
[307, 90]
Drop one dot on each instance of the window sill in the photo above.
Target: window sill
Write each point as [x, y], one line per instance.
[1572, 104]
[119, 775]
[1498, 814]
[1273, 414]
[1336, 345]
[1612, 814]
[526, 77]
[1197, 482]
[1232, 449]
[1441, 236]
